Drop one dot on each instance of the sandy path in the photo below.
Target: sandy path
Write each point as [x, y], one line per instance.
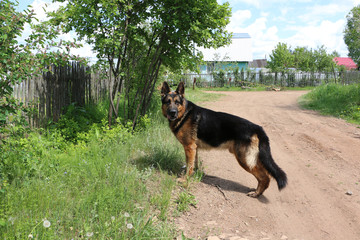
[321, 156]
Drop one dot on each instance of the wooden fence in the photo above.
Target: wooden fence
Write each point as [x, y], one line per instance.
[50, 93]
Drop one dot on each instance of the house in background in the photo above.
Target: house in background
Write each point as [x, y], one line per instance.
[347, 62]
[258, 64]
[237, 54]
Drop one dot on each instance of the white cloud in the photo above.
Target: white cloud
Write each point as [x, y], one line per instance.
[255, 3]
[327, 33]
[40, 5]
[239, 17]
[263, 38]
[316, 13]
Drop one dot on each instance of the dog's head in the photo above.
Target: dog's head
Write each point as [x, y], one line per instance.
[173, 103]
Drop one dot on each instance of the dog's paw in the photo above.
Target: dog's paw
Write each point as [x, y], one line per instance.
[253, 194]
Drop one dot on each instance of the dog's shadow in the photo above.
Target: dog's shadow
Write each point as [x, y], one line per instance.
[229, 185]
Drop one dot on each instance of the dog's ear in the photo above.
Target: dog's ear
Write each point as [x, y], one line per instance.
[165, 89]
[181, 89]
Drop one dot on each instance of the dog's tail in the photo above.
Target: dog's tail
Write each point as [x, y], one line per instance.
[268, 162]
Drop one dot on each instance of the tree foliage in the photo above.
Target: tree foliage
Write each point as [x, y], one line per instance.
[301, 58]
[133, 38]
[352, 34]
[18, 61]
[281, 58]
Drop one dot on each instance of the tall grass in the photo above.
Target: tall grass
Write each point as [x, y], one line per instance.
[97, 190]
[337, 100]
[105, 184]
[198, 95]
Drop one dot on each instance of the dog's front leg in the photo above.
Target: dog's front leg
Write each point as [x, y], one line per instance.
[190, 152]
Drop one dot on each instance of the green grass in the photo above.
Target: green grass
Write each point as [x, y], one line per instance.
[185, 200]
[341, 101]
[108, 184]
[200, 95]
[97, 189]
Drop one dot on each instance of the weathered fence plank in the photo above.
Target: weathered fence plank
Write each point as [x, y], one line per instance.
[50, 93]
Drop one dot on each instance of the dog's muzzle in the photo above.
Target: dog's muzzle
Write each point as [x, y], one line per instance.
[172, 114]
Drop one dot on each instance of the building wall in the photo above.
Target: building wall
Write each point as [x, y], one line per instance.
[237, 54]
[240, 50]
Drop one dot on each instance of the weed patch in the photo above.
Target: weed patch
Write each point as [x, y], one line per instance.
[341, 101]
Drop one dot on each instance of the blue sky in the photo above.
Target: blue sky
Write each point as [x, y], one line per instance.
[302, 23]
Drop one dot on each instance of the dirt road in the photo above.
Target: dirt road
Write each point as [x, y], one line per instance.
[321, 156]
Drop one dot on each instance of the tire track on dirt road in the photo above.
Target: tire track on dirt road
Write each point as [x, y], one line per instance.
[321, 156]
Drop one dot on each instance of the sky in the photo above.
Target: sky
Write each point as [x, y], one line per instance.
[298, 23]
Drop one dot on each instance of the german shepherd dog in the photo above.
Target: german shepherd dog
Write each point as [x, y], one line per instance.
[200, 128]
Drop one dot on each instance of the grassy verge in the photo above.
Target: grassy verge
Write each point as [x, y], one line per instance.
[109, 184]
[198, 95]
[335, 100]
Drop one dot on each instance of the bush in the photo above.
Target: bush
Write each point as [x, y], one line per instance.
[77, 120]
[219, 78]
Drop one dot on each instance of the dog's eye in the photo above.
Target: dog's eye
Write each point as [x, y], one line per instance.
[177, 102]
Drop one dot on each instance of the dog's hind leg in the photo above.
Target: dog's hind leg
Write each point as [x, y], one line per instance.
[247, 156]
[263, 179]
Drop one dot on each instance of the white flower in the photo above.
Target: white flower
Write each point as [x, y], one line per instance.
[12, 220]
[129, 226]
[30, 236]
[126, 214]
[89, 234]
[46, 223]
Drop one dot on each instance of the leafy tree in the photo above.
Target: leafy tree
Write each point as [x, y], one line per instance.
[133, 38]
[281, 58]
[323, 61]
[352, 34]
[19, 61]
[335, 54]
[303, 59]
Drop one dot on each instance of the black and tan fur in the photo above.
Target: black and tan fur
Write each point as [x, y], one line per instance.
[200, 128]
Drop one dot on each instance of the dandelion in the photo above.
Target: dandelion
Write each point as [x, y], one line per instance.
[30, 236]
[12, 220]
[126, 214]
[89, 234]
[129, 226]
[46, 223]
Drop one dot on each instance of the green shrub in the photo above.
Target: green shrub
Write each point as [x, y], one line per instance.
[77, 120]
